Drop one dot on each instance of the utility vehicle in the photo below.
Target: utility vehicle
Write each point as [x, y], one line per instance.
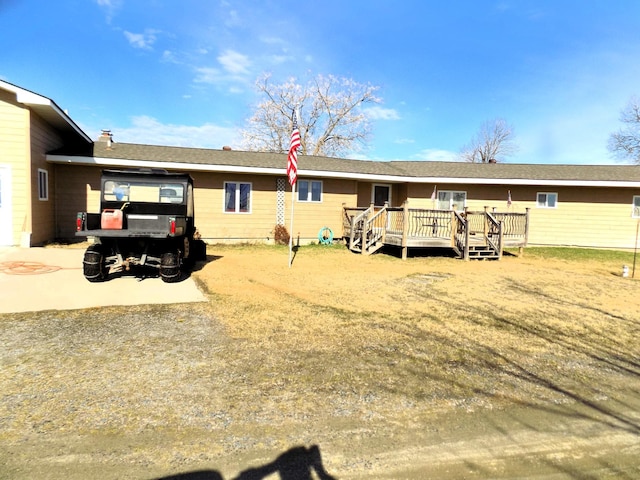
[146, 219]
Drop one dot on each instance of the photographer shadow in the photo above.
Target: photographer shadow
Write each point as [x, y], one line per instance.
[295, 464]
[298, 463]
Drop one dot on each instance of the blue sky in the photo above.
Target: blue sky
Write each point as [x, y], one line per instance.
[183, 72]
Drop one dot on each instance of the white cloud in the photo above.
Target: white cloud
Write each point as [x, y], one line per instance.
[381, 113]
[148, 130]
[110, 7]
[142, 40]
[435, 155]
[234, 62]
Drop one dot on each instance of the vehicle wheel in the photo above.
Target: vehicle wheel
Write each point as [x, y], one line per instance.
[170, 268]
[198, 250]
[93, 264]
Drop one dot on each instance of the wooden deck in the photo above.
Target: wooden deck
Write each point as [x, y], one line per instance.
[470, 234]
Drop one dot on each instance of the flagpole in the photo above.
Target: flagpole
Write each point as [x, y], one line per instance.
[293, 201]
[292, 173]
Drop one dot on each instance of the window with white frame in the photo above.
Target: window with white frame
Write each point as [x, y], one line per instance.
[451, 200]
[636, 206]
[237, 197]
[547, 200]
[309, 191]
[43, 184]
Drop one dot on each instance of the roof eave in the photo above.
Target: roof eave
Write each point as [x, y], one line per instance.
[216, 168]
[46, 107]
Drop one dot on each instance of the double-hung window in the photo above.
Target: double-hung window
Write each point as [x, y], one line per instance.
[547, 200]
[237, 197]
[43, 184]
[309, 191]
[636, 206]
[451, 200]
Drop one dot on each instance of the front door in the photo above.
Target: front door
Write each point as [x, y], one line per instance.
[6, 224]
[381, 194]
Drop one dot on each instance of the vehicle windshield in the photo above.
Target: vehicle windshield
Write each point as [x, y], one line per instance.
[142, 192]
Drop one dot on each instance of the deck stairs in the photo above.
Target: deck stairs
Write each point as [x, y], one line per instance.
[367, 234]
[473, 235]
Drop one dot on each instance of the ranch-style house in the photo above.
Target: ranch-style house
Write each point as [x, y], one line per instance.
[50, 170]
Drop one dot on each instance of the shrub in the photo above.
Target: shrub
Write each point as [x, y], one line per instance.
[281, 235]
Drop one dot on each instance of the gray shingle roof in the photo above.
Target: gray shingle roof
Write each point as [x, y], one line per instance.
[394, 170]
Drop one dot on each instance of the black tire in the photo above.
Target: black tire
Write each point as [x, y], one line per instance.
[170, 268]
[93, 264]
[198, 250]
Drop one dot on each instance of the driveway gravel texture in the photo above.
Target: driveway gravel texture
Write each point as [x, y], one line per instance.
[342, 366]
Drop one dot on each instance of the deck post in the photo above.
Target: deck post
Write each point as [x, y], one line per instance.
[486, 225]
[405, 228]
[454, 228]
[526, 233]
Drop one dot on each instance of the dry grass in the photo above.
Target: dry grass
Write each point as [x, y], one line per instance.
[362, 355]
[424, 334]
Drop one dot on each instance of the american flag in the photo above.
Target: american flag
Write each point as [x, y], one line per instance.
[292, 161]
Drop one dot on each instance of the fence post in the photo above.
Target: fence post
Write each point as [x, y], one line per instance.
[405, 229]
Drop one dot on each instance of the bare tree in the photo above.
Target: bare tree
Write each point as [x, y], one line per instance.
[331, 120]
[626, 142]
[493, 142]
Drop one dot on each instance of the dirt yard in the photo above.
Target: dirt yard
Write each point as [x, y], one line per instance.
[425, 368]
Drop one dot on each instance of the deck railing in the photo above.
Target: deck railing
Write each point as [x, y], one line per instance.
[421, 222]
[408, 227]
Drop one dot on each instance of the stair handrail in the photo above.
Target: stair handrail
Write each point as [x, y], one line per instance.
[357, 220]
[493, 227]
[368, 227]
[462, 234]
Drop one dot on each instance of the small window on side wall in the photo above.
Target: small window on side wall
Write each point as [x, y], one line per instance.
[547, 200]
[237, 197]
[636, 206]
[43, 184]
[309, 191]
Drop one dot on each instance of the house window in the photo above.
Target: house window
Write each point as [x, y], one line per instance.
[381, 195]
[309, 191]
[451, 200]
[43, 184]
[636, 206]
[237, 197]
[547, 200]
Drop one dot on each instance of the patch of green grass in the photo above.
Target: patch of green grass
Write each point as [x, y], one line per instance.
[579, 254]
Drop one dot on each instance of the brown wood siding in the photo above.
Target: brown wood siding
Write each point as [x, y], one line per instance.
[14, 151]
[216, 225]
[77, 190]
[310, 217]
[596, 217]
[43, 139]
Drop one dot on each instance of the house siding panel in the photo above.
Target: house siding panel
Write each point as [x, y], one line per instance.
[14, 151]
[215, 225]
[77, 190]
[43, 139]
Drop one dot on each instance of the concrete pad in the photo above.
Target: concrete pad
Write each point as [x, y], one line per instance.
[34, 279]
